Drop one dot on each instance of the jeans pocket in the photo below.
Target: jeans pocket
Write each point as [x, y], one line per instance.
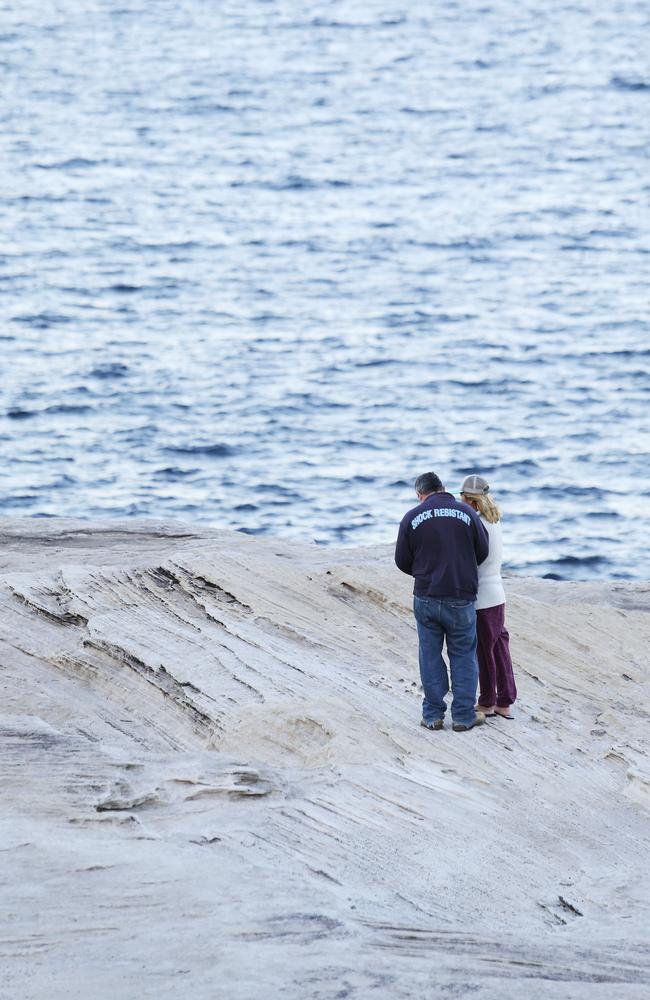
[422, 609]
[463, 613]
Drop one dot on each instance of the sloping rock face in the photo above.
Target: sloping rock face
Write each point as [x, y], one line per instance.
[214, 783]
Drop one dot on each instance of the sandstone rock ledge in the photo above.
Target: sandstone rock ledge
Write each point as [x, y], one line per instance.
[214, 784]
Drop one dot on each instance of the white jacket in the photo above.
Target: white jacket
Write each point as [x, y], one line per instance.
[490, 587]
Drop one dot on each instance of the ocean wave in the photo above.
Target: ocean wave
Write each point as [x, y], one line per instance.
[42, 321]
[109, 371]
[69, 408]
[217, 450]
[74, 163]
[630, 83]
[18, 413]
[173, 473]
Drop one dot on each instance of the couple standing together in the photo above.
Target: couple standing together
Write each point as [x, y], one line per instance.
[453, 550]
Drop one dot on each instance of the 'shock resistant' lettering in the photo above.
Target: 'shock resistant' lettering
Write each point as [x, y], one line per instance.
[439, 543]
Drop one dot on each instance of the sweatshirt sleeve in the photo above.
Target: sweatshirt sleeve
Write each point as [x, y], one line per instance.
[481, 541]
[403, 554]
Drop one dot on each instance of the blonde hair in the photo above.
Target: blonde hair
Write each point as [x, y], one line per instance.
[486, 506]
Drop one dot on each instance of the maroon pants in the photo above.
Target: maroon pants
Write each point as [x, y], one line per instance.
[496, 679]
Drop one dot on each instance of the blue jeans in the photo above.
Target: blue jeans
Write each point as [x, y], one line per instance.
[453, 619]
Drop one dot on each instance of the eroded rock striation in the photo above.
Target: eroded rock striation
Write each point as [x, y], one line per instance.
[214, 783]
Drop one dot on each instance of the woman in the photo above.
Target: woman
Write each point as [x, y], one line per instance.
[496, 679]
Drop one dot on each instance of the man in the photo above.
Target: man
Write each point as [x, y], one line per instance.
[440, 543]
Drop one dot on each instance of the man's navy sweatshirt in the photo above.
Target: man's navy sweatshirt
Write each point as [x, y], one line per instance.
[441, 542]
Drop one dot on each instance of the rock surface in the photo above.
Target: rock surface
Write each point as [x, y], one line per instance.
[214, 783]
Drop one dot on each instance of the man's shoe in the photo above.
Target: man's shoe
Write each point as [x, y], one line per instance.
[436, 724]
[459, 727]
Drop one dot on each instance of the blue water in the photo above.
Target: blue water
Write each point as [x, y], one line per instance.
[261, 263]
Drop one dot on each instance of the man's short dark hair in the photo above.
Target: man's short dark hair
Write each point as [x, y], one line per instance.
[428, 482]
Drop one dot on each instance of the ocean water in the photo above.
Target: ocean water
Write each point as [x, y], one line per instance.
[262, 263]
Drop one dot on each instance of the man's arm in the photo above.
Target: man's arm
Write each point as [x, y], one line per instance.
[481, 541]
[403, 554]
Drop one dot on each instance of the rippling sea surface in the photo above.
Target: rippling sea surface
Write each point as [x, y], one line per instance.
[262, 263]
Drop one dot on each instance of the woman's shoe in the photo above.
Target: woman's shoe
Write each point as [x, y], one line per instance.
[503, 713]
[488, 711]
